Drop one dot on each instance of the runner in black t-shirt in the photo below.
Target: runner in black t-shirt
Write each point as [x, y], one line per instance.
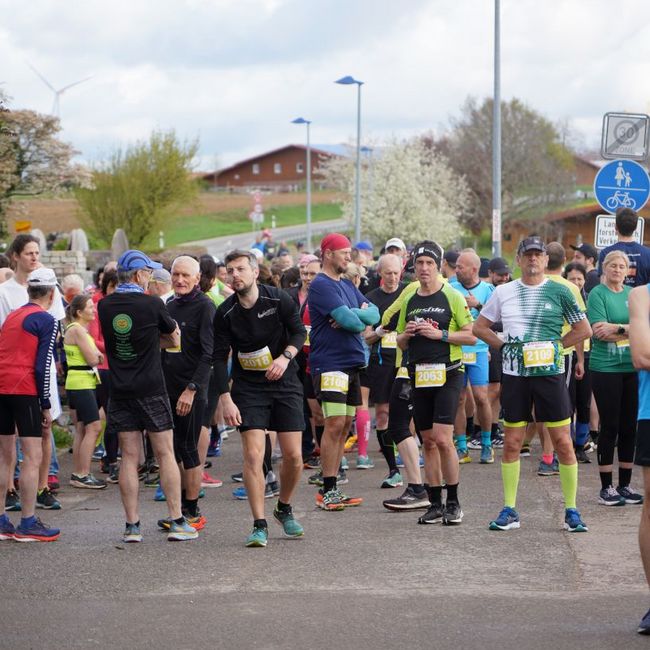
[379, 376]
[135, 327]
[262, 327]
[187, 374]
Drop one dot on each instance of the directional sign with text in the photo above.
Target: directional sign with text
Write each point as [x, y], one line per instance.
[625, 135]
[606, 231]
[622, 184]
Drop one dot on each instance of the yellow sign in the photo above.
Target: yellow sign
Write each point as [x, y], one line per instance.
[430, 375]
[259, 360]
[335, 382]
[539, 354]
[469, 358]
[389, 341]
[23, 226]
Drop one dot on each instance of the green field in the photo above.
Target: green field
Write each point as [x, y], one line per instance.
[183, 229]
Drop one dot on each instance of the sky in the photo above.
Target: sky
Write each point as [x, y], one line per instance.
[234, 73]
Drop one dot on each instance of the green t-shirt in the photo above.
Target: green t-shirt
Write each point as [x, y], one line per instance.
[607, 306]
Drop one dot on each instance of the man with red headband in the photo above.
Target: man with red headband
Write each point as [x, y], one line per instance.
[339, 313]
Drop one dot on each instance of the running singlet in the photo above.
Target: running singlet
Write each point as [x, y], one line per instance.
[446, 310]
[532, 318]
[482, 292]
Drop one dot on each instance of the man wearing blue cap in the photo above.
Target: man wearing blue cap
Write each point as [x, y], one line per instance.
[135, 327]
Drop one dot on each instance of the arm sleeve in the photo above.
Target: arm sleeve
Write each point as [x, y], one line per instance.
[44, 327]
[201, 375]
[290, 316]
[222, 346]
[596, 312]
[369, 316]
[347, 319]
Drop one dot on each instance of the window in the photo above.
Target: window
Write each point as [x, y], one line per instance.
[300, 168]
[256, 168]
[277, 168]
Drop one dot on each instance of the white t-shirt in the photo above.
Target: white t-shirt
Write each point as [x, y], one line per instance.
[14, 295]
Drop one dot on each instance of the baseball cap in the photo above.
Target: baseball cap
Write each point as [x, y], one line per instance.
[42, 277]
[134, 260]
[499, 266]
[395, 242]
[161, 275]
[451, 257]
[533, 243]
[363, 246]
[587, 250]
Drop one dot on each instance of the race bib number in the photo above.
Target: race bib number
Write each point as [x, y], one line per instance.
[402, 373]
[389, 341]
[259, 360]
[469, 358]
[625, 343]
[430, 375]
[306, 344]
[177, 349]
[335, 382]
[539, 354]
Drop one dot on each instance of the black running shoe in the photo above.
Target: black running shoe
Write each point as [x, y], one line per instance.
[452, 514]
[433, 515]
[581, 456]
[410, 500]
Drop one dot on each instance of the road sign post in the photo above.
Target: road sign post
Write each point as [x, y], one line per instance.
[622, 184]
[625, 135]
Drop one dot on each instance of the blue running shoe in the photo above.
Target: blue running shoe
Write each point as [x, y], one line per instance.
[487, 455]
[644, 625]
[132, 534]
[160, 495]
[288, 522]
[398, 461]
[573, 523]
[34, 530]
[508, 519]
[240, 493]
[181, 532]
[269, 491]
[7, 530]
[258, 538]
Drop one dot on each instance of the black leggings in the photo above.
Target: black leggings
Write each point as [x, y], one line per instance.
[617, 400]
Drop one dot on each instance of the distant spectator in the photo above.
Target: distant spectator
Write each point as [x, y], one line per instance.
[290, 278]
[160, 284]
[587, 255]
[265, 276]
[448, 266]
[71, 285]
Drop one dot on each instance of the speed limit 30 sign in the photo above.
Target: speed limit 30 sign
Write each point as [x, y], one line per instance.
[625, 135]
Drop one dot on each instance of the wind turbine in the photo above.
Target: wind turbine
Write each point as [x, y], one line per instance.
[56, 108]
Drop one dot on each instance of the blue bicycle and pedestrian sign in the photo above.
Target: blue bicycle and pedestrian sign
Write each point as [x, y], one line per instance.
[622, 184]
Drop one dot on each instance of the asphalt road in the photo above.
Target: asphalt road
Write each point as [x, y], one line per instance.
[220, 246]
[364, 578]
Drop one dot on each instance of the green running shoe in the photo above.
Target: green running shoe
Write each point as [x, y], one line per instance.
[257, 538]
[288, 522]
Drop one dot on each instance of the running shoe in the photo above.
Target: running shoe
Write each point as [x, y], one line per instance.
[198, 522]
[35, 530]
[181, 532]
[581, 456]
[487, 455]
[508, 519]
[524, 452]
[288, 522]
[316, 479]
[393, 480]
[213, 450]
[104, 466]
[497, 440]
[132, 534]
[350, 442]
[474, 443]
[610, 496]
[331, 500]
[344, 464]
[630, 495]
[202, 493]
[398, 461]
[46, 500]
[452, 515]
[88, 482]
[7, 530]
[99, 452]
[152, 481]
[53, 482]
[342, 477]
[433, 515]
[348, 501]
[208, 482]
[113, 474]
[644, 625]
[364, 462]
[237, 478]
[272, 487]
[464, 457]
[573, 523]
[313, 462]
[258, 538]
[410, 500]
[421, 461]
[548, 469]
[269, 492]
[159, 495]
[12, 501]
[590, 446]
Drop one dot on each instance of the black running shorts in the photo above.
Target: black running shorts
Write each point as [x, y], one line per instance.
[400, 410]
[437, 405]
[84, 402]
[495, 366]
[187, 429]
[642, 453]
[152, 414]
[379, 378]
[333, 387]
[549, 395]
[22, 412]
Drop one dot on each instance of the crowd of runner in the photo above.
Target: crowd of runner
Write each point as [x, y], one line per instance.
[450, 352]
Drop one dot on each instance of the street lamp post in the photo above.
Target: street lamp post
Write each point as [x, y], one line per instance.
[302, 120]
[348, 81]
[496, 136]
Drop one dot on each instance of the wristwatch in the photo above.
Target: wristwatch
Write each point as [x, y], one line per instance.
[445, 335]
[620, 330]
[192, 386]
[479, 307]
[287, 354]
